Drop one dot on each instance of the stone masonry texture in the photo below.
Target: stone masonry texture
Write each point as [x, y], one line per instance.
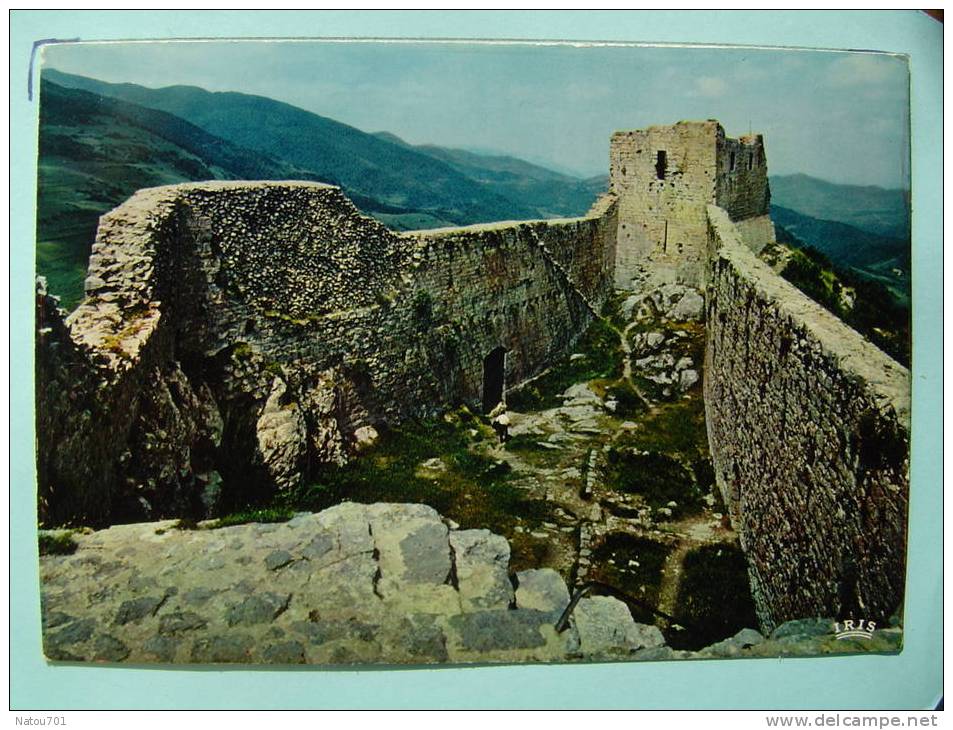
[664, 177]
[809, 430]
[354, 584]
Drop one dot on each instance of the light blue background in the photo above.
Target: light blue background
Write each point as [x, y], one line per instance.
[910, 680]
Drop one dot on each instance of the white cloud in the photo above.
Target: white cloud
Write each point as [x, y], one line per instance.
[865, 69]
[711, 86]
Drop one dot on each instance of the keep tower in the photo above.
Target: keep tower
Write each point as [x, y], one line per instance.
[664, 177]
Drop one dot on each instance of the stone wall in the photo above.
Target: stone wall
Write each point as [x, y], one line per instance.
[530, 287]
[354, 584]
[237, 336]
[664, 177]
[809, 431]
[756, 233]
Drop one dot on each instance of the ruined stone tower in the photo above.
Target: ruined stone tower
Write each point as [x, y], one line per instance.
[664, 177]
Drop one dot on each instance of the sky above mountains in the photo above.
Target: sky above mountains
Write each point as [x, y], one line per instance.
[835, 115]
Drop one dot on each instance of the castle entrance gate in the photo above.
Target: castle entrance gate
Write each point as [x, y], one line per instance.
[493, 365]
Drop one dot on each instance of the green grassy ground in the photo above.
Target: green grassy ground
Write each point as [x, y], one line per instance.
[602, 359]
[634, 566]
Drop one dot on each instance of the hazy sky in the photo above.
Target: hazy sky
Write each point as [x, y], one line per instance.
[835, 115]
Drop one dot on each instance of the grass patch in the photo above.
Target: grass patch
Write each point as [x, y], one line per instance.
[186, 523]
[59, 543]
[270, 514]
[673, 428]
[602, 358]
[636, 569]
[527, 552]
[612, 309]
[242, 351]
[875, 312]
[63, 262]
[714, 597]
[114, 342]
[529, 449]
[658, 478]
[472, 488]
[629, 402]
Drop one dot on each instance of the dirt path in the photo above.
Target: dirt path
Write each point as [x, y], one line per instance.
[627, 361]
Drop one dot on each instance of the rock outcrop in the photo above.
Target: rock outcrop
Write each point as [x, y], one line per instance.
[387, 583]
[379, 583]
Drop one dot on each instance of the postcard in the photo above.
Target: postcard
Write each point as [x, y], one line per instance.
[367, 353]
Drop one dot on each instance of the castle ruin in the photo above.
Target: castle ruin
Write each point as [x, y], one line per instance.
[238, 336]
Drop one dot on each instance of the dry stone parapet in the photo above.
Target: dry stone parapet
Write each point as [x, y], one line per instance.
[378, 583]
[386, 583]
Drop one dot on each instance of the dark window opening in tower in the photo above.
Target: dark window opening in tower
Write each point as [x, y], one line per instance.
[731, 164]
[660, 163]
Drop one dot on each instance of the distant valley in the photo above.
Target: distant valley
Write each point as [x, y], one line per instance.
[870, 256]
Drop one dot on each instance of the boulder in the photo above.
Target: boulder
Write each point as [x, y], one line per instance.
[579, 394]
[629, 305]
[691, 307]
[654, 339]
[364, 438]
[606, 627]
[282, 438]
[481, 560]
[412, 547]
[320, 402]
[687, 378]
[733, 646]
[542, 589]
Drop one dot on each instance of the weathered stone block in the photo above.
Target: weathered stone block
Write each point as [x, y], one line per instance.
[481, 561]
[605, 626]
[541, 589]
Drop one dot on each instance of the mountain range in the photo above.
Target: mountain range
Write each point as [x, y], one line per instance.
[869, 208]
[99, 142]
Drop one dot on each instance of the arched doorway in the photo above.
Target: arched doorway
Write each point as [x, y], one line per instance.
[493, 368]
